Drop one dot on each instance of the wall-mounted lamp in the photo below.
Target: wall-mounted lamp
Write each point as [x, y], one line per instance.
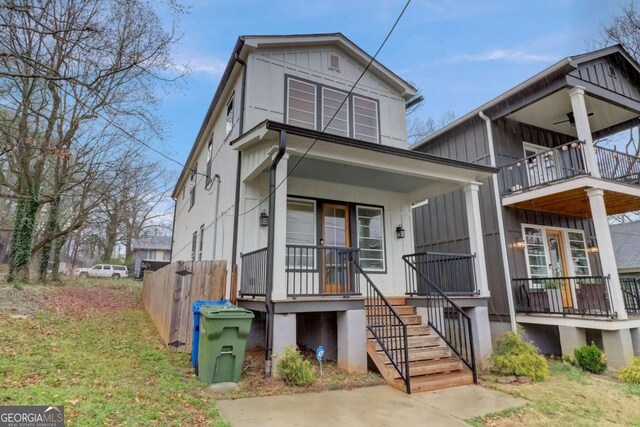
[519, 243]
[264, 219]
[400, 232]
[592, 249]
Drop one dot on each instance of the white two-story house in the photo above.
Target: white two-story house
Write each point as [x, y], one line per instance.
[304, 185]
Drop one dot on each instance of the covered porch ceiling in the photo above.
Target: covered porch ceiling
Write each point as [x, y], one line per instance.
[548, 111]
[571, 199]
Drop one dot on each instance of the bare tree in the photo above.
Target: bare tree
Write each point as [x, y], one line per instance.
[78, 79]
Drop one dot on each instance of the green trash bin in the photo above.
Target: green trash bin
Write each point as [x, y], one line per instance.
[223, 338]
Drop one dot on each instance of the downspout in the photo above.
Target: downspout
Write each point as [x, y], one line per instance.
[216, 177]
[236, 208]
[503, 241]
[282, 146]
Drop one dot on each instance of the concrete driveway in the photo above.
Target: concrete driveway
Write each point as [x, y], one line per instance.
[370, 406]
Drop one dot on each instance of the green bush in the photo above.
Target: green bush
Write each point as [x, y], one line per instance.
[591, 358]
[294, 369]
[631, 374]
[514, 356]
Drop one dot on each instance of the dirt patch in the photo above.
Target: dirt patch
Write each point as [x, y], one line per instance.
[22, 302]
[253, 383]
[82, 302]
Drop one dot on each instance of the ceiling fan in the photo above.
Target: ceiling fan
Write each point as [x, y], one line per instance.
[571, 119]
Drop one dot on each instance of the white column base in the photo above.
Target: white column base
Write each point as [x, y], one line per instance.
[352, 340]
[481, 333]
[635, 340]
[618, 347]
[571, 338]
[284, 332]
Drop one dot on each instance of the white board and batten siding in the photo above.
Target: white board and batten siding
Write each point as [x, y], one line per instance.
[266, 86]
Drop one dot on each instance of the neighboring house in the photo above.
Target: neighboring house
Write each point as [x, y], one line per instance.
[331, 239]
[544, 214]
[150, 253]
[626, 246]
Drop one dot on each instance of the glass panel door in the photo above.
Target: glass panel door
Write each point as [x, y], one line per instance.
[558, 265]
[335, 233]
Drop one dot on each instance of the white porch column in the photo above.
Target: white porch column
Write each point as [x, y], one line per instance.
[605, 246]
[280, 238]
[476, 236]
[583, 128]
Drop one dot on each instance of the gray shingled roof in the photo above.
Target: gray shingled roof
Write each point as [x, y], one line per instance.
[626, 244]
[158, 243]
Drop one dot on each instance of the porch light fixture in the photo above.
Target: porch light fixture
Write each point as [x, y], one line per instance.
[519, 243]
[264, 219]
[592, 249]
[400, 232]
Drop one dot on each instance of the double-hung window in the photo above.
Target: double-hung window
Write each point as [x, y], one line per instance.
[301, 230]
[209, 161]
[229, 121]
[301, 104]
[579, 256]
[536, 252]
[201, 242]
[365, 119]
[371, 237]
[335, 112]
[194, 245]
[192, 189]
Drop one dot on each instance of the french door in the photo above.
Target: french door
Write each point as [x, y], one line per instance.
[335, 234]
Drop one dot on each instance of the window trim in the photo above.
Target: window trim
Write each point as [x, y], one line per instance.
[209, 181]
[288, 78]
[353, 110]
[201, 242]
[564, 231]
[384, 237]
[194, 243]
[231, 101]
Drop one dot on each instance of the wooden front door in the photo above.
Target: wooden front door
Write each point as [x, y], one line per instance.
[335, 235]
[558, 264]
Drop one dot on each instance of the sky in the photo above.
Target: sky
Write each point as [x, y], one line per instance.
[460, 53]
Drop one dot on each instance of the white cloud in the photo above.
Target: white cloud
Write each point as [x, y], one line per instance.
[212, 67]
[504, 55]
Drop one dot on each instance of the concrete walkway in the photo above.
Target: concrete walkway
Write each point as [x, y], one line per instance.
[370, 406]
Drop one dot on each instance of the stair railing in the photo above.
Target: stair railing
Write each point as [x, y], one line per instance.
[388, 328]
[445, 317]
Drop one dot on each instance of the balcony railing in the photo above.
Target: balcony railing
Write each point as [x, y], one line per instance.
[454, 274]
[631, 294]
[322, 271]
[558, 164]
[253, 279]
[576, 296]
[617, 166]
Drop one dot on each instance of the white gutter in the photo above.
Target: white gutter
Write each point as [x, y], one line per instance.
[503, 240]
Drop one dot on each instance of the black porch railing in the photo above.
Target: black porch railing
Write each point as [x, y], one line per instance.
[322, 271]
[577, 296]
[558, 164]
[455, 274]
[253, 279]
[445, 317]
[617, 166]
[631, 294]
[388, 329]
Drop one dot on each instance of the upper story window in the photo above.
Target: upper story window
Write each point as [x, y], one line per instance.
[201, 242]
[301, 104]
[209, 160]
[315, 106]
[192, 189]
[229, 122]
[365, 119]
[194, 245]
[331, 101]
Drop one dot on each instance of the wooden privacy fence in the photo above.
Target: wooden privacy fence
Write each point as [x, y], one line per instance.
[169, 293]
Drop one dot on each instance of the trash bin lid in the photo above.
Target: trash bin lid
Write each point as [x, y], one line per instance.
[225, 312]
[201, 303]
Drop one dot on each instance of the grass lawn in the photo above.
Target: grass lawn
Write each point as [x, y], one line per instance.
[569, 397]
[90, 346]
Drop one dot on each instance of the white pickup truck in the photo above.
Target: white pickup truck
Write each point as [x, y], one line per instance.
[103, 270]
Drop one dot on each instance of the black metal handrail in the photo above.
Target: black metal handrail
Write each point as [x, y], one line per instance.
[631, 294]
[321, 271]
[253, 277]
[388, 329]
[445, 317]
[455, 274]
[617, 166]
[578, 296]
[557, 164]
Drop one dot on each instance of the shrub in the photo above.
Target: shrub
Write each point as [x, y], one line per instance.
[591, 358]
[514, 356]
[631, 374]
[294, 369]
